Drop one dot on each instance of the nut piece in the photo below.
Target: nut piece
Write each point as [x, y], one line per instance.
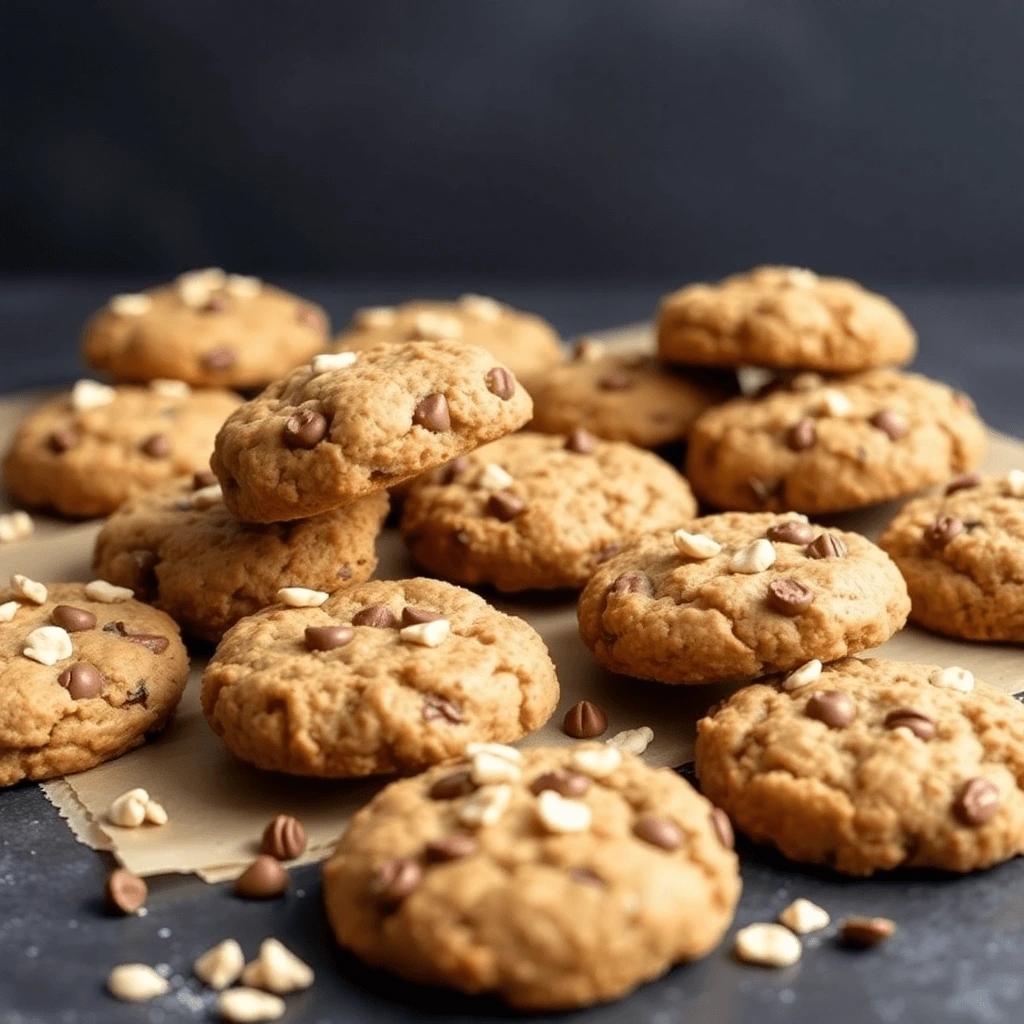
[8, 610]
[136, 983]
[374, 316]
[558, 814]
[754, 557]
[327, 361]
[242, 286]
[207, 497]
[833, 403]
[263, 879]
[633, 741]
[284, 838]
[220, 966]
[803, 676]
[249, 1005]
[768, 945]
[277, 969]
[584, 721]
[696, 545]
[124, 892]
[107, 593]
[432, 326]
[481, 306]
[426, 634]
[301, 597]
[1014, 483]
[597, 762]
[864, 932]
[485, 806]
[489, 768]
[802, 916]
[15, 526]
[90, 394]
[498, 749]
[48, 645]
[167, 388]
[35, 592]
[131, 809]
[953, 678]
[155, 813]
[130, 304]
[494, 478]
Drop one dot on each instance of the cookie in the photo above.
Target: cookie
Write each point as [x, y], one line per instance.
[623, 397]
[962, 555]
[87, 673]
[208, 328]
[352, 424]
[86, 452]
[576, 875]
[815, 445]
[387, 676]
[179, 549]
[738, 595]
[787, 318]
[539, 511]
[524, 343]
[870, 766]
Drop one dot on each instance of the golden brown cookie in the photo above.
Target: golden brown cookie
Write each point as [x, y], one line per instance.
[962, 555]
[180, 550]
[86, 452]
[577, 877]
[735, 596]
[208, 328]
[870, 766]
[524, 343]
[539, 511]
[355, 423]
[815, 445]
[783, 317]
[387, 676]
[87, 673]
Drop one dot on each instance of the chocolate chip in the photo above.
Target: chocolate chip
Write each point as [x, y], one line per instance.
[414, 616]
[453, 785]
[263, 879]
[722, 827]
[584, 876]
[82, 681]
[802, 435]
[633, 583]
[62, 440]
[396, 879]
[151, 641]
[72, 619]
[581, 441]
[447, 474]
[864, 932]
[826, 545]
[505, 506]
[344, 572]
[221, 358]
[435, 707]
[379, 616]
[500, 382]
[832, 707]
[607, 552]
[452, 848]
[305, 429]
[764, 490]
[564, 783]
[792, 532]
[328, 638]
[284, 838]
[311, 317]
[615, 380]
[938, 534]
[659, 832]
[432, 414]
[789, 597]
[977, 802]
[907, 718]
[156, 446]
[124, 892]
[584, 721]
[961, 483]
[890, 422]
[139, 694]
[204, 478]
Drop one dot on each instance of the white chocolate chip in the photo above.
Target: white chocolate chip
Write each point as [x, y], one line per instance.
[486, 806]
[277, 969]
[806, 381]
[48, 645]
[770, 945]
[220, 966]
[155, 813]
[953, 678]
[249, 1006]
[241, 286]
[90, 394]
[1015, 483]
[15, 526]
[136, 983]
[597, 762]
[427, 634]
[167, 388]
[327, 361]
[29, 588]
[833, 403]
[806, 674]
[494, 478]
[802, 916]
[497, 749]
[798, 277]
[488, 769]
[696, 545]
[481, 306]
[135, 304]
[107, 593]
[754, 557]
[129, 809]
[633, 741]
[374, 316]
[8, 610]
[561, 815]
[207, 497]
[301, 597]
[433, 326]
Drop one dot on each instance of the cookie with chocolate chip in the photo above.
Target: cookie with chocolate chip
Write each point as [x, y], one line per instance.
[575, 879]
[816, 445]
[540, 511]
[87, 674]
[179, 549]
[351, 424]
[961, 552]
[523, 342]
[386, 676]
[739, 595]
[871, 765]
[783, 317]
[207, 328]
[84, 453]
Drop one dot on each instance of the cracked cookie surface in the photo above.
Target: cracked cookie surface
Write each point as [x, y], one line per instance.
[908, 774]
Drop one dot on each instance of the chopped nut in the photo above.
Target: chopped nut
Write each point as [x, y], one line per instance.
[432, 326]
[834, 403]
[277, 969]
[769, 945]
[426, 634]
[48, 645]
[494, 478]
[90, 394]
[802, 916]
[481, 306]
[15, 526]
[806, 674]
[132, 808]
[589, 351]
[29, 588]
[1015, 483]
[195, 287]
[301, 597]
[696, 545]
[374, 316]
[220, 966]
[167, 388]
[8, 610]
[327, 361]
[597, 762]
[136, 983]
[756, 557]
[497, 749]
[107, 593]
[561, 815]
[155, 813]
[633, 741]
[953, 678]
[485, 806]
[241, 286]
[488, 769]
[798, 277]
[249, 1005]
[136, 304]
[207, 497]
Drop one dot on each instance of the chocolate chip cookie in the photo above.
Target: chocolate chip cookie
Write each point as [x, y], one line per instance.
[87, 674]
[816, 445]
[86, 452]
[208, 328]
[539, 511]
[784, 317]
[554, 878]
[387, 676]
[738, 595]
[179, 549]
[871, 765]
[354, 423]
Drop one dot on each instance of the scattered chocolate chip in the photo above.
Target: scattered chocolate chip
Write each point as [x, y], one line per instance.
[454, 785]
[961, 483]
[977, 801]
[789, 597]
[72, 619]
[327, 638]
[938, 534]
[453, 848]
[764, 490]
[826, 545]
[157, 446]
[832, 707]
[584, 876]
[722, 827]
[802, 435]
[62, 440]
[500, 382]
[505, 506]
[204, 478]
[615, 380]
[890, 422]
[916, 721]
[659, 832]
[305, 429]
[396, 879]
[311, 317]
[791, 532]
[284, 838]
[221, 358]
[216, 303]
[581, 441]
[864, 932]
[607, 552]
[124, 892]
[151, 641]
[379, 616]
[435, 707]
[414, 616]
[564, 783]
[432, 414]
[263, 879]
[584, 721]
[139, 694]
[82, 681]
[447, 474]
[633, 583]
